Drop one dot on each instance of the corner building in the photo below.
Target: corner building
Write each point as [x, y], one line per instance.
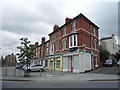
[74, 47]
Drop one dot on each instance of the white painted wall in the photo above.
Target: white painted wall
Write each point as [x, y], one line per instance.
[110, 45]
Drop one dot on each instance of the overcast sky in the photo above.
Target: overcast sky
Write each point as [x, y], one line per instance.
[36, 18]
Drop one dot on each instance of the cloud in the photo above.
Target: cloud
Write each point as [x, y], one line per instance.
[26, 18]
[35, 18]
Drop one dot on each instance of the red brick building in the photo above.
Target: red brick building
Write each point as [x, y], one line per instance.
[41, 53]
[10, 60]
[74, 46]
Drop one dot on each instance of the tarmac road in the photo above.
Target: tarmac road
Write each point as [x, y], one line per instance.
[60, 84]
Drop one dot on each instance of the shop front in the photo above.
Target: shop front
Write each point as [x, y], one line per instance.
[55, 62]
[77, 62]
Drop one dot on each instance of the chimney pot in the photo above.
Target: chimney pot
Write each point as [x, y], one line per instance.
[67, 19]
[55, 27]
[36, 43]
[43, 40]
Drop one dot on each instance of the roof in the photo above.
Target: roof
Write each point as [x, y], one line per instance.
[43, 43]
[105, 38]
[81, 16]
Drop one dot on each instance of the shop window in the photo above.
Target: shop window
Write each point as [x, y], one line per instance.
[58, 64]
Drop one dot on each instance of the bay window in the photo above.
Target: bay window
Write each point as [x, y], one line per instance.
[73, 40]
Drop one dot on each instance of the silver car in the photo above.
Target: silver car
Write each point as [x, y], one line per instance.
[35, 68]
[118, 63]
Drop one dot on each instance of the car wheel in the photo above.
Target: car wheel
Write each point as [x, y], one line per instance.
[29, 70]
[42, 70]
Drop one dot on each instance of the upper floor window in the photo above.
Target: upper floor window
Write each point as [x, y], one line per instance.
[46, 51]
[91, 28]
[51, 48]
[64, 31]
[57, 46]
[64, 44]
[91, 42]
[52, 37]
[95, 44]
[47, 44]
[95, 31]
[73, 26]
[73, 40]
[58, 34]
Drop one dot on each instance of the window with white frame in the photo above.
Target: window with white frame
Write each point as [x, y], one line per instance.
[46, 51]
[91, 28]
[47, 44]
[91, 42]
[74, 26]
[73, 41]
[95, 31]
[51, 48]
[96, 61]
[64, 44]
[64, 31]
[57, 46]
[95, 43]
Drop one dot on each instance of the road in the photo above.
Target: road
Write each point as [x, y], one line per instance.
[61, 84]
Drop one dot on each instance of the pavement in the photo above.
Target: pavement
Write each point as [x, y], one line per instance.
[49, 75]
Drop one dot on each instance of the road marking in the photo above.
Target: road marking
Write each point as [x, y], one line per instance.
[56, 81]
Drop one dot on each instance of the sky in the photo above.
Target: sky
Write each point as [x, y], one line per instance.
[35, 19]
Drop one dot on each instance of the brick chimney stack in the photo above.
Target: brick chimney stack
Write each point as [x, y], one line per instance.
[67, 19]
[43, 40]
[55, 27]
[36, 43]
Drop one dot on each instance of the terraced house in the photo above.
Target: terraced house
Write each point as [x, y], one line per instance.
[41, 53]
[74, 46]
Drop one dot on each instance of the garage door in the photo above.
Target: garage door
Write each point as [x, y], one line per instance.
[76, 64]
[87, 61]
[65, 63]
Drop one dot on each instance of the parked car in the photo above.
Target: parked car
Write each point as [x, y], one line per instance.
[118, 63]
[25, 66]
[19, 66]
[109, 63]
[35, 68]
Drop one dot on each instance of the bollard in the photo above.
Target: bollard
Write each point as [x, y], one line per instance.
[51, 70]
[40, 72]
[19, 72]
[6, 72]
[62, 71]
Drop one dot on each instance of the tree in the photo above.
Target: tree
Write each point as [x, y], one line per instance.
[104, 54]
[1, 61]
[26, 52]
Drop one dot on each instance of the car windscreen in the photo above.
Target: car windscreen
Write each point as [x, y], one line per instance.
[108, 61]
